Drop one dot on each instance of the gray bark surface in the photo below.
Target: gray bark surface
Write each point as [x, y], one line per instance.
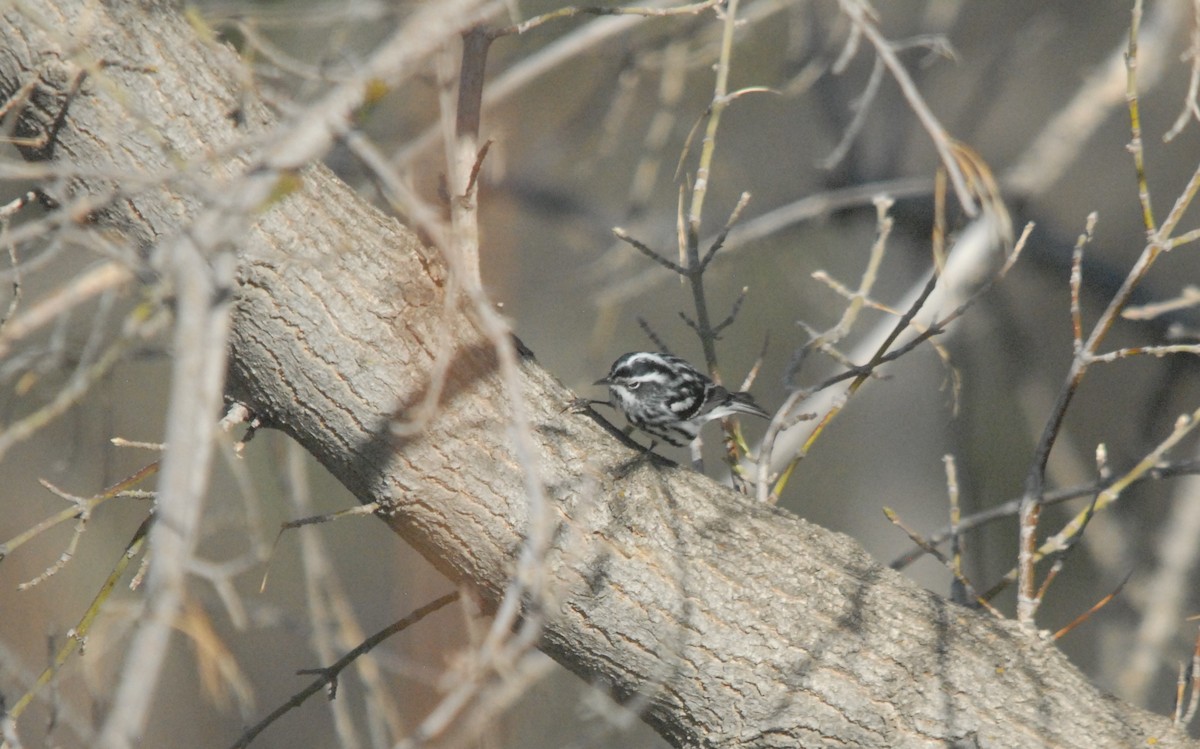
[743, 626]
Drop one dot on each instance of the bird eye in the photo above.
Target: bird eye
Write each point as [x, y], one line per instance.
[634, 385]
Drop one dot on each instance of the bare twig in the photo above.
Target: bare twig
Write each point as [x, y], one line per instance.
[641, 247]
[329, 674]
[203, 268]
[1010, 508]
[366, 509]
[1095, 607]
[654, 337]
[118, 489]
[1060, 541]
[824, 341]
[956, 539]
[83, 512]
[745, 234]
[7, 211]
[1165, 591]
[78, 635]
[334, 624]
[1076, 282]
[1085, 354]
[142, 323]
[1191, 109]
[1062, 140]
[861, 14]
[1136, 146]
[695, 212]
[719, 242]
[947, 563]
[574, 11]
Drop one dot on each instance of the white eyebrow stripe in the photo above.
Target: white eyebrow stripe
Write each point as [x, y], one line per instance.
[659, 377]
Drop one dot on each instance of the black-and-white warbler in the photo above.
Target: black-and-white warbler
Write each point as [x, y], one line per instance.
[668, 398]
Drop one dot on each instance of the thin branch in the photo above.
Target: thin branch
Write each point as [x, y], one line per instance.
[575, 11]
[1010, 507]
[144, 322]
[1191, 109]
[691, 236]
[333, 623]
[464, 157]
[7, 211]
[641, 247]
[78, 635]
[960, 593]
[83, 512]
[1156, 351]
[116, 490]
[861, 106]
[1076, 281]
[709, 144]
[1095, 607]
[784, 414]
[364, 509]
[861, 14]
[1135, 118]
[744, 236]
[653, 336]
[947, 563]
[329, 674]
[1183, 426]
[733, 312]
[1035, 478]
[719, 242]
[1163, 235]
[1182, 239]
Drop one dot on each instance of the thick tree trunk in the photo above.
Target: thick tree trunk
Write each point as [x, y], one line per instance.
[742, 625]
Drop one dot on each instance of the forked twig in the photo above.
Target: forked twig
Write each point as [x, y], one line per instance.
[1086, 351]
[947, 563]
[327, 676]
[1010, 508]
[1060, 541]
[861, 15]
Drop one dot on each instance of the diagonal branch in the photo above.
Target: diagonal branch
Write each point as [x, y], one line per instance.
[734, 624]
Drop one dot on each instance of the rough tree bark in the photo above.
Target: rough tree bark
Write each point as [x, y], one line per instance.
[744, 626]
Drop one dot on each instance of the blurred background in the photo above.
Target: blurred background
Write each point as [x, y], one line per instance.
[590, 118]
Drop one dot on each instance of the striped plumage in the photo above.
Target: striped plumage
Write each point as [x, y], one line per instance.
[670, 399]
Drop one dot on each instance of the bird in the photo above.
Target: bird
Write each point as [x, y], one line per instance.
[668, 398]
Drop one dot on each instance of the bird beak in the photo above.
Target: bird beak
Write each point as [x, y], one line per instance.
[601, 381]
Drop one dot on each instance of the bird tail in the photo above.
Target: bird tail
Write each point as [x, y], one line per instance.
[743, 402]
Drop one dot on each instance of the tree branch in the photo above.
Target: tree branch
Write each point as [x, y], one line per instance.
[739, 624]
